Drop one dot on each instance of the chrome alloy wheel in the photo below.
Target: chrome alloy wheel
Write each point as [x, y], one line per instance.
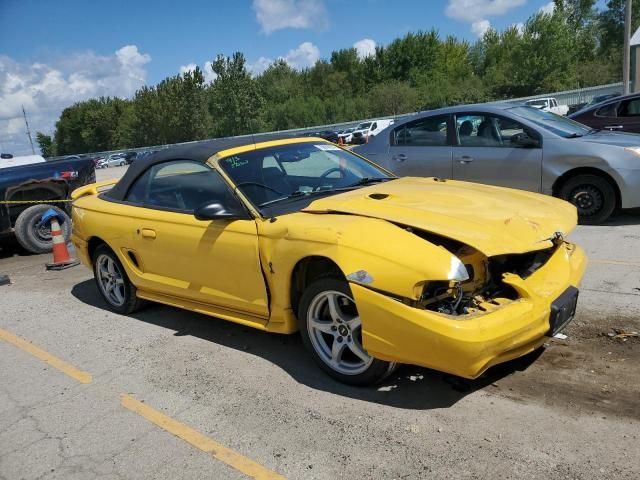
[335, 332]
[110, 280]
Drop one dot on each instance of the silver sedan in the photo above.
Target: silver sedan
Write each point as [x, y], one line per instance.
[516, 146]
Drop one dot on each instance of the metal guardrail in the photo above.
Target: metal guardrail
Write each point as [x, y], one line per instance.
[567, 97]
[571, 97]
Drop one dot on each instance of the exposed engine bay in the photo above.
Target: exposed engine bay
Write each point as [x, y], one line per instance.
[484, 290]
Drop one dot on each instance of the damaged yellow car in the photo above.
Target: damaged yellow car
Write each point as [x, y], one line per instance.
[299, 234]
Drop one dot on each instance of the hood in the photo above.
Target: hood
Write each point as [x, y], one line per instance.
[492, 220]
[611, 138]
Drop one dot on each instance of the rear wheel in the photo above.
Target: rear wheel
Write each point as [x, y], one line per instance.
[113, 283]
[332, 332]
[34, 236]
[593, 196]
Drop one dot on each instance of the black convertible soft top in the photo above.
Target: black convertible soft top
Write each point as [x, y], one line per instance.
[197, 151]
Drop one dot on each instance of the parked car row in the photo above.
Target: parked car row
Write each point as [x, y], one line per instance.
[120, 159]
[357, 135]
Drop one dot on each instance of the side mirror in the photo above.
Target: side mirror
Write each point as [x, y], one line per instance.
[525, 141]
[218, 210]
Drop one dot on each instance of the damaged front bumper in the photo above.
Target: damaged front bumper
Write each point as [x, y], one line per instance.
[468, 345]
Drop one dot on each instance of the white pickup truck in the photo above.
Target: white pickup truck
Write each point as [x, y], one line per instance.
[549, 105]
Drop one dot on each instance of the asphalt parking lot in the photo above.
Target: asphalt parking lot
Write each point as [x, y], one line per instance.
[164, 393]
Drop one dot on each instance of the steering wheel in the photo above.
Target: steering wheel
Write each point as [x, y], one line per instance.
[260, 185]
[331, 170]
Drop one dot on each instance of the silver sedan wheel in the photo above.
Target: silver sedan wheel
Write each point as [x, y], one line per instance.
[111, 280]
[335, 332]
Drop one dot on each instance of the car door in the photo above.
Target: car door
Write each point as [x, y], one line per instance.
[628, 116]
[486, 152]
[421, 148]
[604, 117]
[214, 262]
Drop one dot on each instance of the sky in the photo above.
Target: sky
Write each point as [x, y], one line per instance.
[56, 53]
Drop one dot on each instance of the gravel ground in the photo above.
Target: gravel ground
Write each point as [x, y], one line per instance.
[571, 411]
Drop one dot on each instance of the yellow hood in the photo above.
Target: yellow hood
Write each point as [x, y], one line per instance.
[493, 220]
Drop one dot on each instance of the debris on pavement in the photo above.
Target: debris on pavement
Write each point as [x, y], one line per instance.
[621, 334]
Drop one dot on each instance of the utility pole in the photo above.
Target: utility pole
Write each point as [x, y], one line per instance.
[627, 53]
[33, 150]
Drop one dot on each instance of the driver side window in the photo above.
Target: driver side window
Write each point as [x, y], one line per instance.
[179, 185]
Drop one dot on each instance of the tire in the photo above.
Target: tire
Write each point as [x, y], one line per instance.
[592, 195]
[36, 238]
[122, 164]
[108, 270]
[341, 330]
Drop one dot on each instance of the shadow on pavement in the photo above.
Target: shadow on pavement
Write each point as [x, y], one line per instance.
[409, 387]
[624, 217]
[9, 247]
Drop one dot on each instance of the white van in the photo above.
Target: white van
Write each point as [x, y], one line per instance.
[368, 129]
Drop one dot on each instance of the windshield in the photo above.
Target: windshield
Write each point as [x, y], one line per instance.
[550, 121]
[363, 126]
[537, 103]
[285, 174]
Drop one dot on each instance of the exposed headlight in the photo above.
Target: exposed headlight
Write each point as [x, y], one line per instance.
[634, 150]
[457, 271]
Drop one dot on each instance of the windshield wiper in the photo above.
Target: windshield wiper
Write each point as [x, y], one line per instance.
[297, 193]
[368, 181]
[575, 135]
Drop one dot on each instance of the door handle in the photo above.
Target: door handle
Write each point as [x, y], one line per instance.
[465, 159]
[401, 157]
[148, 233]
[614, 127]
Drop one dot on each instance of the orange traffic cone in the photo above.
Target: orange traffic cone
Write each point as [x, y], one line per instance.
[61, 257]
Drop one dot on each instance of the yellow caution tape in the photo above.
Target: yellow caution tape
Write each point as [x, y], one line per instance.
[18, 202]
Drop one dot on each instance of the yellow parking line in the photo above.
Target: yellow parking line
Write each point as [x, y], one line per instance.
[55, 362]
[614, 262]
[222, 453]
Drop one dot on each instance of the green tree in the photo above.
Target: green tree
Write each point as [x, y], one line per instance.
[235, 100]
[393, 97]
[46, 145]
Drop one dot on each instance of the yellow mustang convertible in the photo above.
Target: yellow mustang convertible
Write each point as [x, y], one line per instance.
[299, 234]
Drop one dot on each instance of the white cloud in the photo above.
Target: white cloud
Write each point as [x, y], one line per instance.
[46, 89]
[259, 66]
[548, 8]
[519, 26]
[365, 47]
[480, 27]
[471, 11]
[187, 68]
[209, 74]
[207, 71]
[306, 55]
[275, 15]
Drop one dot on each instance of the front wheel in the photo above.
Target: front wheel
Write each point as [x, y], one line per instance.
[113, 283]
[332, 332]
[593, 196]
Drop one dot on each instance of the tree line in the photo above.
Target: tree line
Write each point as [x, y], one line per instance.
[576, 46]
